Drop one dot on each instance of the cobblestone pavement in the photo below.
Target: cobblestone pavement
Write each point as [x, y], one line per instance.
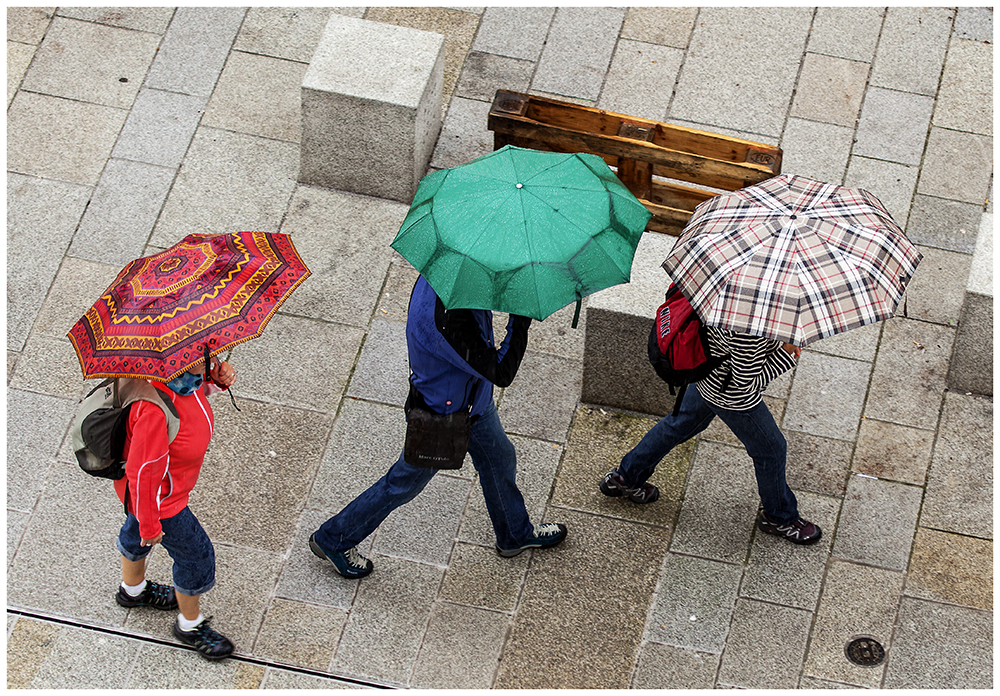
[128, 128]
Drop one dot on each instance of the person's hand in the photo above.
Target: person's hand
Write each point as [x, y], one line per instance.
[223, 374]
[792, 349]
[152, 542]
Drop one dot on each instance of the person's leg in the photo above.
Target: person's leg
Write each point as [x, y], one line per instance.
[135, 590]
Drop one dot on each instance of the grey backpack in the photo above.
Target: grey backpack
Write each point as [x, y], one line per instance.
[98, 432]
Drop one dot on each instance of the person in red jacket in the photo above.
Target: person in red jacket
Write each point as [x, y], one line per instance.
[158, 479]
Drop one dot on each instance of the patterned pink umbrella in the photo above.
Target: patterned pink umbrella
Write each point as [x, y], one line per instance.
[792, 259]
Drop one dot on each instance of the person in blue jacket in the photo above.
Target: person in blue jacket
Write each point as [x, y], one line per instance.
[453, 359]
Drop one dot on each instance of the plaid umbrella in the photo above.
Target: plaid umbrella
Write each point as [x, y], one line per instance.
[792, 259]
[204, 293]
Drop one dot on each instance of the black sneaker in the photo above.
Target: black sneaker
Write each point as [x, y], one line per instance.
[614, 485]
[211, 644]
[544, 536]
[798, 532]
[349, 563]
[153, 595]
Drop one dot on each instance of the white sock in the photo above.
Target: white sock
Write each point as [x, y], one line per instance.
[134, 590]
[187, 625]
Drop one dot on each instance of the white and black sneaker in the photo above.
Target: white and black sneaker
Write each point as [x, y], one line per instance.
[799, 531]
[613, 484]
[544, 536]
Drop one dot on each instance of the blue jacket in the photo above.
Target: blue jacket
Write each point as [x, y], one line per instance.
[452, 352]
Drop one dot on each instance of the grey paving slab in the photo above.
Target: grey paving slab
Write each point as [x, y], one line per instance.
[894, 452]
[640, 79]
[159, 127]
[846, 32]
[578, 51]
[845, 613]
[893, 126]
[965, 99]
[19, 56]
[28, 24]
[718, 431]
[32, 224]
[556, 334]
[515, 32]
[951, 568]
[892, 183]
[666, 667]
[194, 49]
[781, 573]
[580, 624]
[16, 522]
[817, 150]
[484, 73]
[959, 494]
[464, 135]
[944, 224]
[911, 49]
[827, 396]
[909, 376]
[91, 62]
[856, 344]
[666, 26]
[276, 678]
[756, 623]
[383, 369]
[890, 508]
[541, 401]
[29, 643]
[830, 90]
[36, 424]
[936, 292]
[344, 240]
[971, 368]
[817, 464]
[941, 646]
[74, 659]
[48, 366]
[259, 95]
[981, 274]
[60, 139]
[974, 23]
[228, 182]
[394, 302]
[478, 576]
[300, 634]
[122, 212]
[78, 284]
[388, 620]
[957, 166]
[694, 603]
[721, 494]
[151, 19]
[744, 40]
[461, 649]
[159, 667]
[424, 529]
[291, 33]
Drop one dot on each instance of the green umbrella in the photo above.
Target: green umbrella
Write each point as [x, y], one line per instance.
[522, 231]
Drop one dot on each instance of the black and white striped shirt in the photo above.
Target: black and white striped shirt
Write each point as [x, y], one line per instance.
[752, 362]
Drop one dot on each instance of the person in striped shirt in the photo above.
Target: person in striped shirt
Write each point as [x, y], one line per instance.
[734, 392]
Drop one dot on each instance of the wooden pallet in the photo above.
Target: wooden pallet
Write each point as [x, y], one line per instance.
[644, 153]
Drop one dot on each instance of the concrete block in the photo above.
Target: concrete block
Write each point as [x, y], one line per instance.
[478, 576]
[893, 125]
[951, 568]
[371, 108]
[18, 58]
[971, 367]
[981, 275]
[28, 24]
[300, 634]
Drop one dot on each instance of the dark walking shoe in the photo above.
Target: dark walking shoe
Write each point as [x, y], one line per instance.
[153, 595]
[544, 536]
[614, 485]
[209, 643]
[350, 563]
[798, 532]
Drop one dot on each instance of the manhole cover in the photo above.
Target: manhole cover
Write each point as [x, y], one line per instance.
[865, 651]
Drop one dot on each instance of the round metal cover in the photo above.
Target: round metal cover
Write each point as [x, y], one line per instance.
[865, 651]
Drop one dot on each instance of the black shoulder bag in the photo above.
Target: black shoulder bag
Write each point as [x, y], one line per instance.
[434, 441]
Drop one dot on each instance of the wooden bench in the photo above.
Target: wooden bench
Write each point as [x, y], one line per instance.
[649, 157]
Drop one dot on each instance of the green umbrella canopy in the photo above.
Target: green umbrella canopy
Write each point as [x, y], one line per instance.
[522, 231]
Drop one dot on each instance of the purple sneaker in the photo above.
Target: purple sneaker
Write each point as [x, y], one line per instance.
[798, 532]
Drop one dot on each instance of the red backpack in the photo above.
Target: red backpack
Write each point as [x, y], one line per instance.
[678, 345]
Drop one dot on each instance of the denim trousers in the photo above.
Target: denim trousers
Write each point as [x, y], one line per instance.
[493, 457]
[755, 428]
[188, 545]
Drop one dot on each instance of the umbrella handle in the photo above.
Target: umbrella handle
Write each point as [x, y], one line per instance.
[576, 315]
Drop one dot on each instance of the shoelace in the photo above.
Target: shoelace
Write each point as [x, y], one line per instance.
[207, 634]
[546, 530]
[355, 559]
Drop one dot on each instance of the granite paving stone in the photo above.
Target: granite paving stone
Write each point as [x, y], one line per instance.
[286, 680]
[830, 90]
[28, 24]
[572, 628]
[667, 667]
[461, 649]
[16, 523]
[48, 366]
[541, 400]
[965, 100]
[894, 182]
[424, 529]
[36, 425]
[150, 19]
[484, 73]
[578, 51]
[912, 49]
[894, 452]
[29, 643]
[857, 601]
[19, 56]
[757, 623]
[877, 522]
[941, 646]
[556, 334]
[394, 302]
[91, 62]
[259, 95]
[515, 32]
[857, 344]
[159, 127]
[974, 23]
[816, 150]
[959, 495]
[78, 659]
[718, 431]
[957, 166]
[300, 634]
[159, 667]
[78, 284]
[846, 32]
[827, 396]
[909, 376]
[640, 79]
[383, 369]
[666, 26]
[951, 568]
[464, 135]
[211, 192]
[893, 126]
[944, 224]
[122, 212]
[478, 576]
[291, 33]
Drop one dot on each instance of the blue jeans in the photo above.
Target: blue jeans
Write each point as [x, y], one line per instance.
[755, 428]
[493, 456]
[186, 542]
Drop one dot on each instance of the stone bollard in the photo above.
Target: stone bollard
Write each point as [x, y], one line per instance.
[371, 108]
[971, 368]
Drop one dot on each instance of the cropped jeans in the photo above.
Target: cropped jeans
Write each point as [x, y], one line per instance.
[755, 428]
[493, 457]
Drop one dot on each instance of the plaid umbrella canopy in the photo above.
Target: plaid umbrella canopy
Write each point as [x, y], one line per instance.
[207, 291]
[792, 259]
